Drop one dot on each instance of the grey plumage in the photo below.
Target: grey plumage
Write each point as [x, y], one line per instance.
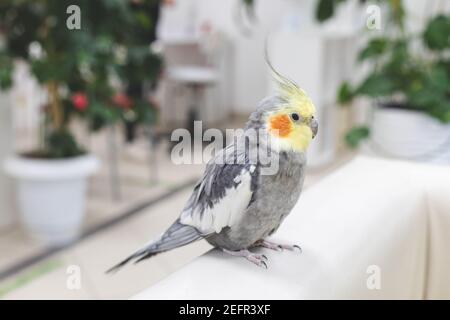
[176, 236]
[234, 204]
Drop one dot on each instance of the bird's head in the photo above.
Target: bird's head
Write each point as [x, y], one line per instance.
[290, 123]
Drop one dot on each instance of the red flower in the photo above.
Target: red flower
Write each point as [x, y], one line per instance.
[122, 100]
[80, 101]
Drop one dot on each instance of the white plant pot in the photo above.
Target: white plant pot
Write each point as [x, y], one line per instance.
[51, 195]
[408, 134]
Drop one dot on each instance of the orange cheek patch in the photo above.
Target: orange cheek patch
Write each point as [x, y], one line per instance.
[282, 124]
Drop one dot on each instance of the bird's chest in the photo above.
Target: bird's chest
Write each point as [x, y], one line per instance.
[276, 195]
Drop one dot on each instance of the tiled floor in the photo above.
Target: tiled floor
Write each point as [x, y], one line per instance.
[95, 254]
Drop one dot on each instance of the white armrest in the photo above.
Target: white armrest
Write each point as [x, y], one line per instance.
[371, 215]
[438, 195]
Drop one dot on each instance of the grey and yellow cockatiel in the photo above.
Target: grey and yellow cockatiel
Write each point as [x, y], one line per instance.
[236, 204]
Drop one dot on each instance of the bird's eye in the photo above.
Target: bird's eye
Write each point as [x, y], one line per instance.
[295, 116]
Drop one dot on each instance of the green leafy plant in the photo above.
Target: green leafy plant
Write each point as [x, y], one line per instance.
[402, 76]
[95, 72]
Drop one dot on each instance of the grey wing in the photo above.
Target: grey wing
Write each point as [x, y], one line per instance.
[223, 194]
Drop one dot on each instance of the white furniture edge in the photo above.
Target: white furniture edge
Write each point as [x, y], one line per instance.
[371, 216]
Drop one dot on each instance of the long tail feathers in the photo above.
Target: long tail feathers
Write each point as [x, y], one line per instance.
[176, 236]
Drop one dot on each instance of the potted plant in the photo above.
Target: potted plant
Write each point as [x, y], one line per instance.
[85, 68]
[409, 82]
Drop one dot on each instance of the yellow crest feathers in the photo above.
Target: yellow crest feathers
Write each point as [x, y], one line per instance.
[295, 96]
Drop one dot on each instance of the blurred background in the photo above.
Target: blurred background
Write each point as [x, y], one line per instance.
[92, 90]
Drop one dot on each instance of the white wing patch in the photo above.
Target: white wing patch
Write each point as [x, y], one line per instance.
[226, 212]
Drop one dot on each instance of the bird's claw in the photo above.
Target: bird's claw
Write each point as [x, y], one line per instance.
[258, 259]
[278, 247]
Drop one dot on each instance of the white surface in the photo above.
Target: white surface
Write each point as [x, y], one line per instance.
[193, 75]
[51, 196]
[54, 169]
[394, 215]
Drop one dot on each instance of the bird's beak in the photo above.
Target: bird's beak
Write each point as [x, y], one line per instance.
[314, 127]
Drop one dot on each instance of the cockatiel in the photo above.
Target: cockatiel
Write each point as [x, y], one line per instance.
[235, 206]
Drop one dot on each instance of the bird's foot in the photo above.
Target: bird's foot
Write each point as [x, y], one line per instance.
[277, 247]
[258, 259]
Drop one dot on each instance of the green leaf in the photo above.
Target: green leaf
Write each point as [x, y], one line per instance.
[439, 80]
[375, 48]
[446, 116]
[399, 56]
[6, 70]
[62, 144]
[440, 109]
[5, 78]
[376, 85]
[325, 10]
[437, 33]
[145, 112]
[431, 92]
[101, 115]
[345, 93]
[355, 135]
[57, 69]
